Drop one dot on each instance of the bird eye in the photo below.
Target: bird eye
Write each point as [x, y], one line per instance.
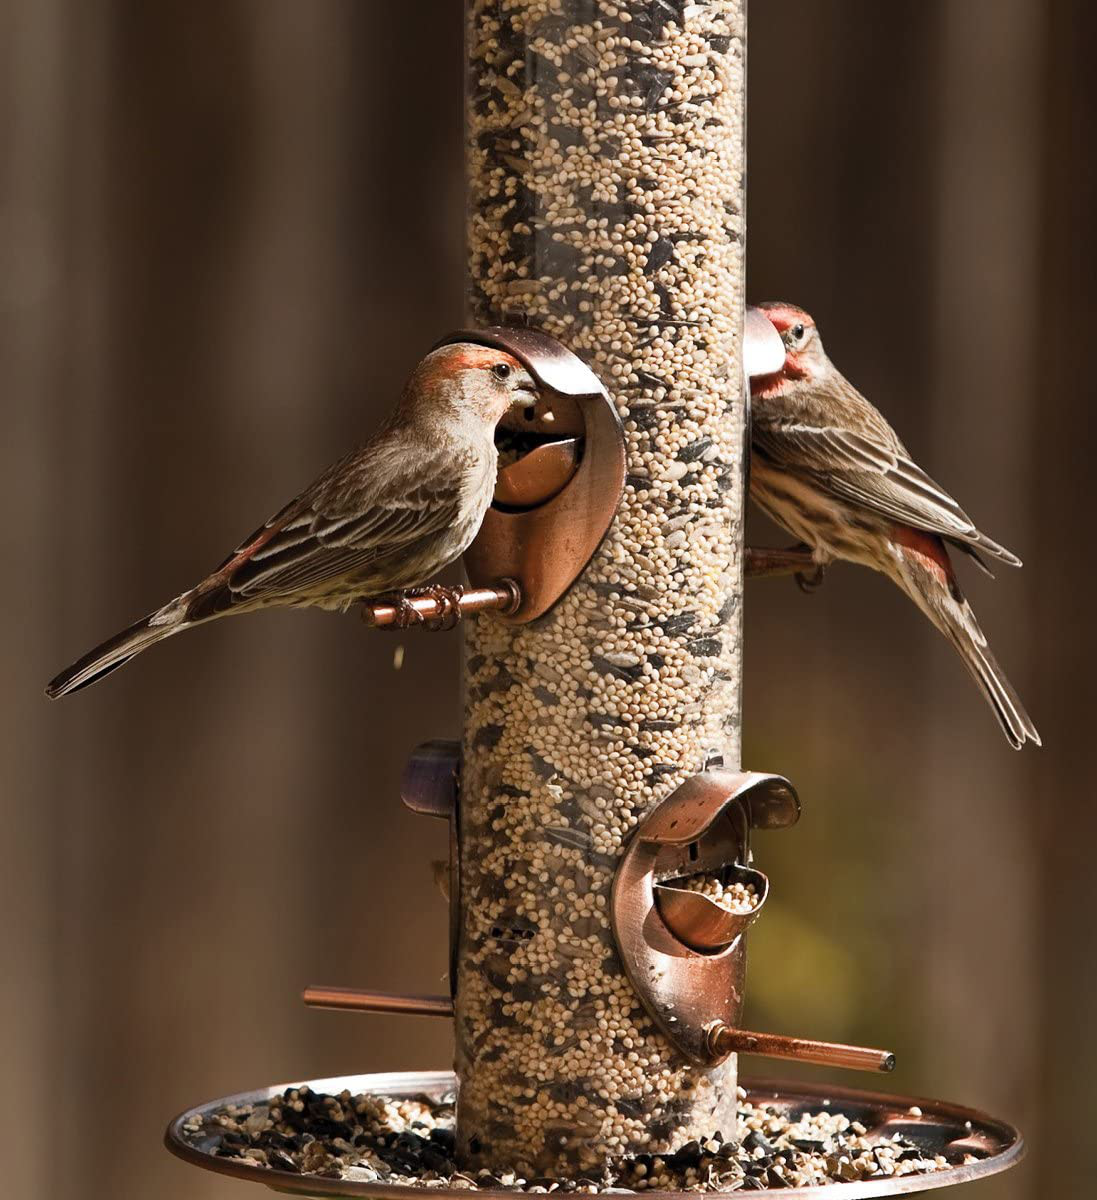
[501, 370]
[797, 333]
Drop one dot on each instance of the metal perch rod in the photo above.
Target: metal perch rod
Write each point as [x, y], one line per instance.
[506, 594]
[725, 1040]
[501, 597]
[348, 999]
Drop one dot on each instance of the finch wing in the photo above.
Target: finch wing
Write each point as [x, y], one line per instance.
[366, 508]
[866, 471]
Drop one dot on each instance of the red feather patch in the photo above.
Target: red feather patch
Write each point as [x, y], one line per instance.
[926, 548]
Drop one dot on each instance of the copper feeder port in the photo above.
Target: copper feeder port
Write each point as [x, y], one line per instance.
[683, 952]
[701, 922]
[686, 982]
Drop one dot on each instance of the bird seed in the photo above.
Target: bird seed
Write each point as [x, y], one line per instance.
[605, 207]
[410, 1141]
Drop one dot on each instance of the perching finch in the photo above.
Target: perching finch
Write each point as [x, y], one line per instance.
[382, 520]
[827, 467]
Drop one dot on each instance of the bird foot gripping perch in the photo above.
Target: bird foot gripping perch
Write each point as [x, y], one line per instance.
[764, 561]
[439, 608]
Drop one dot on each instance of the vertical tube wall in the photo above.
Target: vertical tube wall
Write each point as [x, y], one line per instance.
[606, 207]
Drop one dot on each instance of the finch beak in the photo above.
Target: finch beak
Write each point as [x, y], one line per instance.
[763, 350]
[528, 402]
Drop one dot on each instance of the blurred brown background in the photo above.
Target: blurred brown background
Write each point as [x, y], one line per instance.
[226, 232]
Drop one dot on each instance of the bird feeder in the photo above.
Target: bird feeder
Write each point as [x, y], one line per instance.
[597, 807]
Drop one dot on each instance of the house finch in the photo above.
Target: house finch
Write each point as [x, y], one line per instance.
[382, 520]
[827, 467]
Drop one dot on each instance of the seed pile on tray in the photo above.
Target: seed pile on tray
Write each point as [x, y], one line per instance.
[370, 1138]
[736, 897]
[605, 207]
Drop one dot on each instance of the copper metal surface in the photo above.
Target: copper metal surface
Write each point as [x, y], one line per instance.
[702, 826]
[545, 548]
[501, 596]
[550, 362]
[722, 1040]
[683, 953]
[943, 1128]
[430, 785]
[351, 1000]
[769, 801]
[725, 1040]
[539, 475]
[702, 923]
[763, 350]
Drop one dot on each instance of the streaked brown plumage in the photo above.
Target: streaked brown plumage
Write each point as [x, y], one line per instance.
[386, 518]
[827, 467]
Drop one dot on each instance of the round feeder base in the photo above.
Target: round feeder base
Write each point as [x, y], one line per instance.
[935, 1127]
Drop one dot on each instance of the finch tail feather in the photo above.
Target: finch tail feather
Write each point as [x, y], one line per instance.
[115, 652]
[1000, 693]
[989, 546]
[926, 576]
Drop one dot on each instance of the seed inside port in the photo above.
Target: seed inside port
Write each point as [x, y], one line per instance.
[735, 896]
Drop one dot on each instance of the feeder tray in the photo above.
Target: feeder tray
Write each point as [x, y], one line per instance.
[936, 1127]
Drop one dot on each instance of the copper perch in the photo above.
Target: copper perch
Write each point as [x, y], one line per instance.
[501, 597]
[505, 596]
[383, 1002]
[722, 1039]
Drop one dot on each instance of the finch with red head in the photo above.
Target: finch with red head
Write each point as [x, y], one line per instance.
[383, 520]
[828, 468]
